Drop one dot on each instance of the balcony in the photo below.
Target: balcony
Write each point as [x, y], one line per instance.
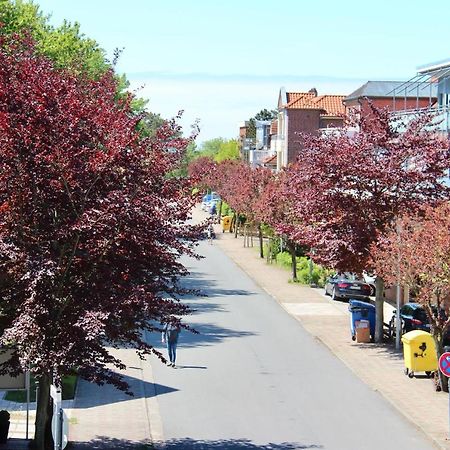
[441, 119]
[257, 157]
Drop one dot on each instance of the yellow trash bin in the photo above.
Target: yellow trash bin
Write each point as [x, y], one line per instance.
[226, 223]
[419, 352]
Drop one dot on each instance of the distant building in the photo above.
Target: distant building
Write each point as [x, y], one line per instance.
[394, 95]
[433, 78]
[303, 112]
[255, 150]
[245, 142]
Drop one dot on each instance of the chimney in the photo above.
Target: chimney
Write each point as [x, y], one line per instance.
[313, 91]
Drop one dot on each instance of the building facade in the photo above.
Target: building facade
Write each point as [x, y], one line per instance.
[302, 112]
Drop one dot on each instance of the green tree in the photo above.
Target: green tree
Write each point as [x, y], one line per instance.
[264, 114]
[189, 156]
[70, 49]
[219, 149]
[65, 45]
[227, 150]
[211, 147]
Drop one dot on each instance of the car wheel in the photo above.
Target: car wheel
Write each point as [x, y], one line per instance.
[391, 329]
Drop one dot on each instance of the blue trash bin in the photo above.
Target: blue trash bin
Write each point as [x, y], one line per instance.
[361, 311]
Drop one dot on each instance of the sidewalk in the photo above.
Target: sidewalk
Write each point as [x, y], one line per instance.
[378, 365]
[18, 421]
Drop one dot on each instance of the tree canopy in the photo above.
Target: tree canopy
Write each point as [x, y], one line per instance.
[219, 149]
[415, 252]
[92, 227]
[348, 187]
[264, 114]
[65, 45]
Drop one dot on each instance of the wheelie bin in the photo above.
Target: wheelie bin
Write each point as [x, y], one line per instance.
[226, 223]
[361, 311]
[419, 353]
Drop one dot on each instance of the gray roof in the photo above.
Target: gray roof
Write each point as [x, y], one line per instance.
[387, 89]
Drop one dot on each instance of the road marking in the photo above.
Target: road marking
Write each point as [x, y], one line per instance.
[312, 309]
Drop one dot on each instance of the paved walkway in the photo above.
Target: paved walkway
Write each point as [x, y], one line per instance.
[379, 366]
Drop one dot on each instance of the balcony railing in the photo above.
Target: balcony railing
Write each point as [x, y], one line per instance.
[440, 122]
[258, 156]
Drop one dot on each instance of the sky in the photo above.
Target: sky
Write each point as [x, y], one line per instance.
[223, 61]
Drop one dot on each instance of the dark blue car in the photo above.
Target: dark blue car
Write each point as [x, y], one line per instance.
[413, 317]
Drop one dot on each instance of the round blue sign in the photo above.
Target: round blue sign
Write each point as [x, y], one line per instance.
[444, 363]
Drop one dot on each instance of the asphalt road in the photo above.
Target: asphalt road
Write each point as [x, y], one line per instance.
[253, 378]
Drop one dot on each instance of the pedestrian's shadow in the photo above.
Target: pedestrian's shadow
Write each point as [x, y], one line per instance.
[90, 395]
[191, 367]
[205, 287]
[104, 443]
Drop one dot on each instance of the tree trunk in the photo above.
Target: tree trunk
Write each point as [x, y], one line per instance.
[261, 241]
[438, 338]
[291, 248]
[219, 211]
[236, 225]
[379, 314]
[233, 223]
[43, 434]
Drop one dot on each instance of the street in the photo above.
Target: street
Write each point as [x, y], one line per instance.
[254, 378]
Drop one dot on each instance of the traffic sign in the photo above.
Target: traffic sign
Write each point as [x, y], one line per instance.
[444, 363]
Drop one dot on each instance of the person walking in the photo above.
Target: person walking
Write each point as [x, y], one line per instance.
[213, 210]
[170, 337]
[210, 233]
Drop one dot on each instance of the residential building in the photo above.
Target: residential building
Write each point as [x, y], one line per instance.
[255, 150]
[434, 78]
[303, 112]
[389, 94]
[246, 142]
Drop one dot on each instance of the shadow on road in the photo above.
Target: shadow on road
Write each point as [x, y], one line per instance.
[208, 288]
[208, 334]
[188, 444]
[90, 395]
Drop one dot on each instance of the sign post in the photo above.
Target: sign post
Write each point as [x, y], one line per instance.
[444, 367]
[55, 394]
[27, 384]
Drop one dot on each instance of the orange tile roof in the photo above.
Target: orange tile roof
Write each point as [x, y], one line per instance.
[331, 105]
[269, 159]
[298, 98]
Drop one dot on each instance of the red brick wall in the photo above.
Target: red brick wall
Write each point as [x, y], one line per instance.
[300, 121]
[400, 105]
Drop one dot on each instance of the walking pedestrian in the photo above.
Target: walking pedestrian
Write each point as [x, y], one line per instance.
[170, 337]
[210, 233]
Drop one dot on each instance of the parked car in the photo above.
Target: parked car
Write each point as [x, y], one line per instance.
[344, 286]
[370, 280]
[413, 317]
